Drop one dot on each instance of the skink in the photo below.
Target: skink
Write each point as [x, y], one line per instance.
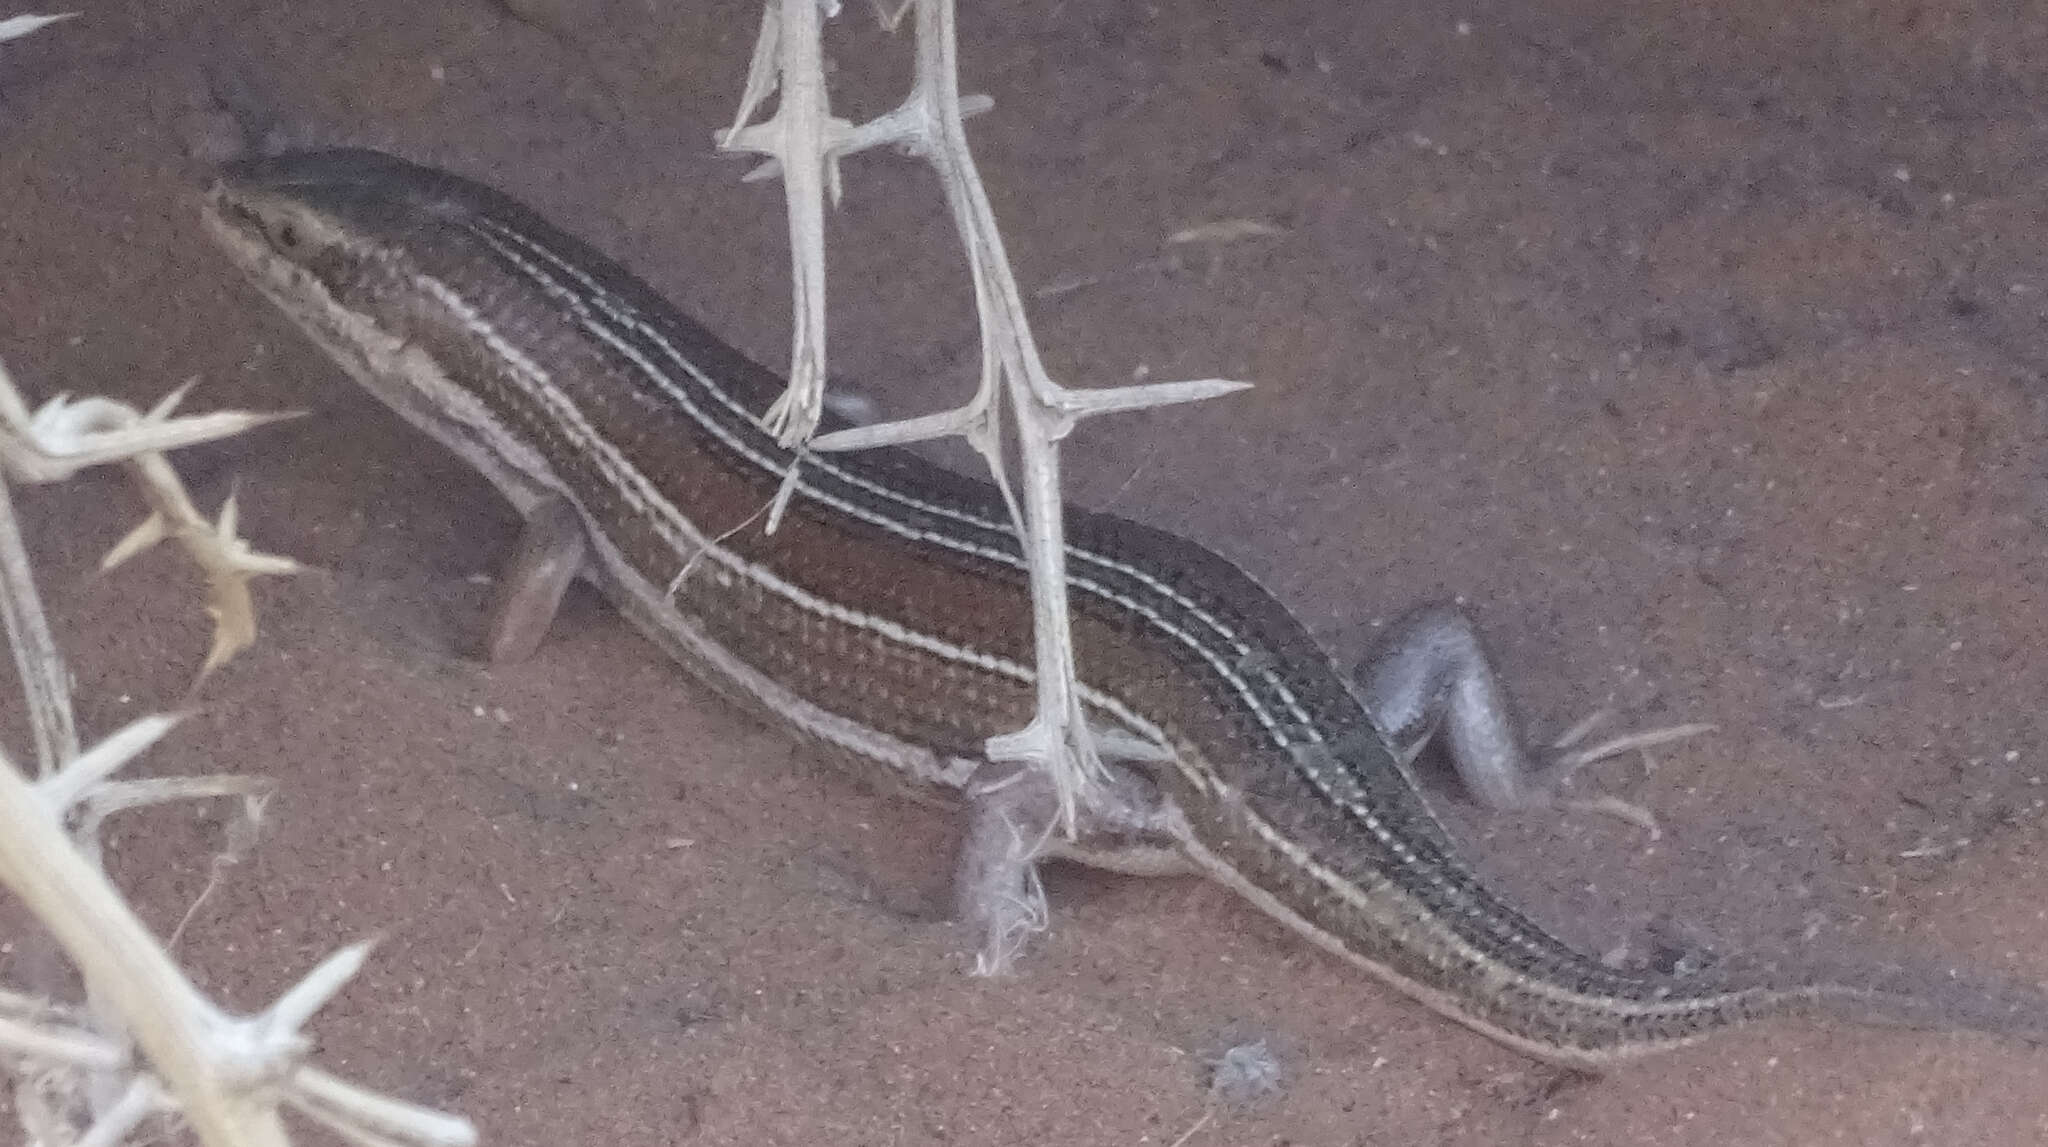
[887, 617]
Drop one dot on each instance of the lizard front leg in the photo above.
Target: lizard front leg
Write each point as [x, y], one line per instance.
[530, 587]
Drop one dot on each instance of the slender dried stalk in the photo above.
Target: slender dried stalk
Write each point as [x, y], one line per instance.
[36, 660]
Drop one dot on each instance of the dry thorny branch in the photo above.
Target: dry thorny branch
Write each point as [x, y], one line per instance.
[805, 143]
[147, 1044]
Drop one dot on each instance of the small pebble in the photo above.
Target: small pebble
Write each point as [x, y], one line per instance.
[1244, 1075]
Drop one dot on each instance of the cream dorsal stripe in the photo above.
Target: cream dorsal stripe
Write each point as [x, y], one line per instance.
[610, 319]
[881, 621]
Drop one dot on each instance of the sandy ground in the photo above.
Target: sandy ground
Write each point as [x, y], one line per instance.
[1698, 349]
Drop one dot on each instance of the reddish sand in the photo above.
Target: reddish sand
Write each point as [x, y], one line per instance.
[1699, 350]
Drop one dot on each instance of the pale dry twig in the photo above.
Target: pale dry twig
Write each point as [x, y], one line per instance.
[805, 144]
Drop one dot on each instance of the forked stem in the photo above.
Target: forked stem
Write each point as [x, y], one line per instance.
[929, 123]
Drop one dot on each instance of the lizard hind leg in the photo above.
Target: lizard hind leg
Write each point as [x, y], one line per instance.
[550, 554]
[1430, 679]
